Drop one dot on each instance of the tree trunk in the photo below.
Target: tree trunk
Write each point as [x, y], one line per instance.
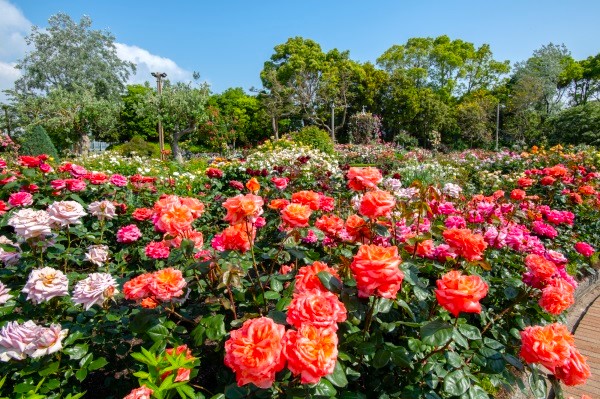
[82, 147]
[177, 156]
[275, 127]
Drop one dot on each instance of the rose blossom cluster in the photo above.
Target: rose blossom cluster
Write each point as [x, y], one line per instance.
[544, 274]
[163, 285]
[261, 348]
[17, 341]
[94, 290]
[553, 347]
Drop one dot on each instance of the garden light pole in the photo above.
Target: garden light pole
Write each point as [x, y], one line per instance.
[161, 135]
[332, 121]
[7, 119]
[498, 123]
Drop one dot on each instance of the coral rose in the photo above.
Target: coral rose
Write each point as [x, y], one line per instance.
[278, 203]
[465, 243]
[296, 215]
[142, 392]
[376, 271]
[167, 284]
[377, 203]
[308, 198]
[253, 185]
[307, 278]
[235, 238]
[158, 250]
[320, 308]
[175, 219]
[557, 296]
[254, 352]
[330, 224]
[311, 352]
[360, 179]
[138, 287]
[243, 208]
[548, 345]
[142, 214]
[457, 293]
[575, 371]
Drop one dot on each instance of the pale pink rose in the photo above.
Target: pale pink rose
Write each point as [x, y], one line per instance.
[129, 234]
[48, 340]
[16, 340]
[103, 210]
[9, 257]
[30, 223]
[94, 290]
[45, 284]
[4, 294]
[97, 254]
[20, 199]
[65, 213]
[118, 180]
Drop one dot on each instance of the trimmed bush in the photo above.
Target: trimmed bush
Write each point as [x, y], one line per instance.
[137, 146]
[314, 137]
[36, 141]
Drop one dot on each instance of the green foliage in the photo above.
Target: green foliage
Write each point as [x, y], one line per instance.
[576, 125]
[132, 123]
[36, 141]
[405, 140]
[314, 137]
[137, 146]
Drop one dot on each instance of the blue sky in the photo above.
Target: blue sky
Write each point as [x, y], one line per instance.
[228, 41]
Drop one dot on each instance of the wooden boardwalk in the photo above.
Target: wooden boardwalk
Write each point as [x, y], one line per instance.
[587, 340]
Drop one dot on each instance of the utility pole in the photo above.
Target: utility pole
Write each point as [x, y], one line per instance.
[332, 121]
[497, 123]
[161, 135]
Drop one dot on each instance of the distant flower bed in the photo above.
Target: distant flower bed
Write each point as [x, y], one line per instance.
[292, 274]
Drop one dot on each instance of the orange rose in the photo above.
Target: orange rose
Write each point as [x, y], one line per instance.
[549, 345]
[175, 219]
[541, 268]
[465, 243]
[308, 198]
[360, 179]
[138, 287]
[556, 171]
[320, 308]
[253, 185]
[278, 203]
[254, 352]
[243, 208]
[376, 271]
[587, 190]
[357, 227]
[166, 201]
[235, 238]
[149, 302]
[311, 352]
[425, 249]
[575, 371]
[307, 278]
[557, 296]
[296, 215]
[194, 205]
[377, 203]
[517, 195]
[167, 284]
[547, 181]
[330, 224]
[457, 293]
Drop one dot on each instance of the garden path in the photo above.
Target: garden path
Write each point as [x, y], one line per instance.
[587, 340]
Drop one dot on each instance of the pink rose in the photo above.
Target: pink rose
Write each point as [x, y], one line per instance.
[128, 234]
[118, 180]
[20, 199]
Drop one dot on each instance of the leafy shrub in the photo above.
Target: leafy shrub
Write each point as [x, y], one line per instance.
[137, 146]
[36, 141]
[364, 128]
[406, 140]
[576, 125]
[314, 137]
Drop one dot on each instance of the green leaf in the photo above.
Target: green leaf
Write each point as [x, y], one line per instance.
[381, 358]
[381, 230]
[324, 388]
[537, 384]
[436, 333]
[400, 357]
[81, 374]
[215, 326]
[76, 352]
[49, 369]
[158, 333]
[272, 295]
[232, 391]
[97, 364]
[276, 285]
[186, 390]
[278, 317]
[352, 395]
[469, 331]
[330, 282]
[456, 383]
[453, 359]
[338, 377]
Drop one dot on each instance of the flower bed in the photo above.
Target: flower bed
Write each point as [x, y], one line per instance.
[249, 283]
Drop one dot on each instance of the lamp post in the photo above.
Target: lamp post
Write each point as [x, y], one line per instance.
[7, 119]
[161, 135]
[333, 121]
[498, 122]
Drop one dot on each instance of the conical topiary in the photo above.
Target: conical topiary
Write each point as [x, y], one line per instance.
[36, 141]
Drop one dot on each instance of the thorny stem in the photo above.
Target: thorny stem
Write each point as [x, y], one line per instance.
[232, 302]
[369, 317]
[501, 314]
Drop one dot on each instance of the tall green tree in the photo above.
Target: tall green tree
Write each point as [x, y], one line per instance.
[311, 82]
[131, 123]
[582, 80]
[70, 55]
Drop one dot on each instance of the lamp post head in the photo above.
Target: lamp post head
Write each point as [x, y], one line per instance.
[159, 74]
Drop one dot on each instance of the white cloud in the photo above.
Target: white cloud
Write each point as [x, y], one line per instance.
[13, 29]
[147, 63]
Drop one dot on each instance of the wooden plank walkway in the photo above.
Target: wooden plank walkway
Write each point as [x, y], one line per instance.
[587, 340]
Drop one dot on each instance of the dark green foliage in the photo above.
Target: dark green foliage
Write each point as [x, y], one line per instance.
[314, 137]
[576, 125]
[364, 128]
[36, 141]
[137, 146]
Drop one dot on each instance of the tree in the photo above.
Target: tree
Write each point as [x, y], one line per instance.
[300, 76]
[130, 122]
[181, 107]
[36, 141]
[576, 125]
[476, 118]
[582, 79]
[449, 67]
[69, 56]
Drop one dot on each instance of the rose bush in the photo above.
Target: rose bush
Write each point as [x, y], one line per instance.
[120, 283]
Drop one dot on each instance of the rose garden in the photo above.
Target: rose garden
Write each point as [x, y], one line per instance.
[289, 272]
